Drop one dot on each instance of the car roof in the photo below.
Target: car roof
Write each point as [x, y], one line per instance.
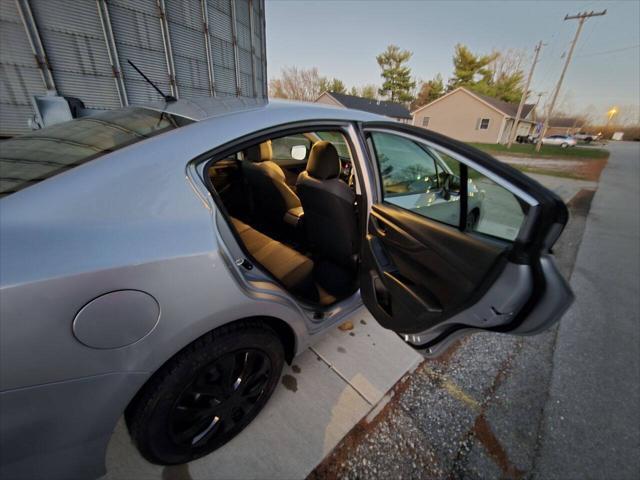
[203, 108]
[212, 113]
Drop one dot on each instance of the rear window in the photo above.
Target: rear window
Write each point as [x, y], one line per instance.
[33, 157]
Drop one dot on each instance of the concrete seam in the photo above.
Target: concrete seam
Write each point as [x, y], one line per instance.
[342, 376]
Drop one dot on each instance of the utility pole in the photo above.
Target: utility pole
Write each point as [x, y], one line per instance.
[525, 94]
[581, 17]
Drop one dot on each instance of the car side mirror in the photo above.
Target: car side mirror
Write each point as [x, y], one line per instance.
[298, 152]
[450, 185]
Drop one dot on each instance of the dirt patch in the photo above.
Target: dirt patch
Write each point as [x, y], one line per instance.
[290, 383]
[579, 169]
[580, 204]
[346, 326]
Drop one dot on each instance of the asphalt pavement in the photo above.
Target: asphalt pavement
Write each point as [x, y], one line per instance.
[563, 404]
[592, 417]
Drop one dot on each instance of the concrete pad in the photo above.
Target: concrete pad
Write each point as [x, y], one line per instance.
[297, 428]
[372, 359]
[325, 395]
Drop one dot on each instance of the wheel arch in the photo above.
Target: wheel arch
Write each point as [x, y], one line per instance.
[282, 329]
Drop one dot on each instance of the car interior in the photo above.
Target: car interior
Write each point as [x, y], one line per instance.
[293, 205]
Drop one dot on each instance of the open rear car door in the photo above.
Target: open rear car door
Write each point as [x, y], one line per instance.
[456, 241]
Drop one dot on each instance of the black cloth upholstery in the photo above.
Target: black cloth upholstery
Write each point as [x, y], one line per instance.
[292, 269]
[328, 204]
[271, 197]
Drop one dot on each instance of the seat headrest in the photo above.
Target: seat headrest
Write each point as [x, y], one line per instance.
[324, 162]
[261, 152]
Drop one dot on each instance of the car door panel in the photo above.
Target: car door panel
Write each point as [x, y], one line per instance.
[426, 279]
[424, 265]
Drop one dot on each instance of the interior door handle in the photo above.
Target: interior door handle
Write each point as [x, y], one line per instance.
[379, 229]
[394, 236]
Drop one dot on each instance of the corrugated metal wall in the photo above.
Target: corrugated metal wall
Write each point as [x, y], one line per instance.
[19, 74]
[224, 56]
[189, 48]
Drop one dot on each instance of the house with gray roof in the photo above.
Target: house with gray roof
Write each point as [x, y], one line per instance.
[397, 111]
[564, 125]
[471, 117]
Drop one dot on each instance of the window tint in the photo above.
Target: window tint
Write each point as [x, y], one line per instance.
[413, 178]
[281, 148]
[33, 157]
[492, 209]
[428, 182]
[338, 141]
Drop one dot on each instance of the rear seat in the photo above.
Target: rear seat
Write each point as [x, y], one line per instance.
[294, 270]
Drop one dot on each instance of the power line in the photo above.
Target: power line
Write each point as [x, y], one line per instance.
[609, 51]
[581, 17]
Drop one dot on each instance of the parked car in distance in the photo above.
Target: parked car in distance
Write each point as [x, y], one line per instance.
[161, 263]
[563, 141]
[587, 137]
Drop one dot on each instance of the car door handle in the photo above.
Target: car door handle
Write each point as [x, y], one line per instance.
[379, 230]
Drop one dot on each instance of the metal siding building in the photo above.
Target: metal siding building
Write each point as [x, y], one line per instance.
[80, 48]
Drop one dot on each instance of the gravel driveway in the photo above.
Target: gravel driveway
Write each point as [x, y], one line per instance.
[475, 412]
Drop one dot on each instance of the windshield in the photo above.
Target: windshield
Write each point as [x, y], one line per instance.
[33, 157]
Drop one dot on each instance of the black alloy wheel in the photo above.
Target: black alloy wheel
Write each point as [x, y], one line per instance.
[221, 395]
[207, 393]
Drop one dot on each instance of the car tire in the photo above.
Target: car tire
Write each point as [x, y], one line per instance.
[206, 394]
[564, 145]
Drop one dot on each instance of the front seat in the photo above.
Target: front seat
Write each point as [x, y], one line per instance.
[271, 197]
[328, 204]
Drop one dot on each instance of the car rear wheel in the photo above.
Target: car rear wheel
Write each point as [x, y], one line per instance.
[206, 394]
[564, 145]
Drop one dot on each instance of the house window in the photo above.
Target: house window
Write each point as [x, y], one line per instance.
[425, 121]
[484, 124]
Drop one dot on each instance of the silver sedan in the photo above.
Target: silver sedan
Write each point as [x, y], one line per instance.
[162, 263]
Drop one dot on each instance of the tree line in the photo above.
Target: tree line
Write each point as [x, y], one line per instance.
[497, 74]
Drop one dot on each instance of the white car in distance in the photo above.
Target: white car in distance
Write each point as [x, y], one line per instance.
[563, 141]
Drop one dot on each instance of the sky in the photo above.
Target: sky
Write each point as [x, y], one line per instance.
[342, 39]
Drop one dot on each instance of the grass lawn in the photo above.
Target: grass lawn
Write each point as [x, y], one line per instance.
[547, 151]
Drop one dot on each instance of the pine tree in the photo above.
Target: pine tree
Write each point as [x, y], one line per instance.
[397, 83]
[497, 75]
[469, 70]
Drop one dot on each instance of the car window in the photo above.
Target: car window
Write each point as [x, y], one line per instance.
[281, 148]
[413, 179]
[427, 181]
[30, 158]
[338, 141]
